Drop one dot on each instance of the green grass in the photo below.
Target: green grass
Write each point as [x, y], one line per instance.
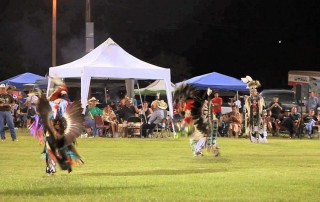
[164, 170]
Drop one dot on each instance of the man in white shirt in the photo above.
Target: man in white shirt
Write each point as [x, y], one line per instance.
[159, 113]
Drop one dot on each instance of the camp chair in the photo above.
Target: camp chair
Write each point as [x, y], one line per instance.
[163, 129]
[101, 126]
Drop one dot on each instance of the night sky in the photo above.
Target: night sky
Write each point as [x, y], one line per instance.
[261, 38]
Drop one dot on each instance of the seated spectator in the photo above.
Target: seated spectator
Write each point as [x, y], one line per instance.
[145, 111]
[269, 120]
[310, 120]
[22, 113]
[89, 123]
[178, 114]
[157, 116]
[113, 106]
[92, 111]
[33, 99]
[109, 117]
[275, 108]
[128, 110]
[296, 117]
[178, 110]
[31, 113]
[122, 101]
[234, 119]
[290, 120]
[14, 110]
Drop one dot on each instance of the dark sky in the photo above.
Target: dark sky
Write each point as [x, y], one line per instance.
[261, 38]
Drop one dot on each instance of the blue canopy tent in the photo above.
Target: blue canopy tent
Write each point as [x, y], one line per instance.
[216, 81]
[21, 81]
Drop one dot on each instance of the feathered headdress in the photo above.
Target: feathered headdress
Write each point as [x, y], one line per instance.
[251, 84]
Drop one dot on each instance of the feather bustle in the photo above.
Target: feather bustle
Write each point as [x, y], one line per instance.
[199, 111]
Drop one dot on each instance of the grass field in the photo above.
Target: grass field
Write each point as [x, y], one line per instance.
[164, 170]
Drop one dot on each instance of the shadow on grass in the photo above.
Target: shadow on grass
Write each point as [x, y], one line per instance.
[80, 190]
[158, 172]
[75, 190]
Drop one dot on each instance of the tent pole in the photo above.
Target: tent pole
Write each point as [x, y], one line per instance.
[105, 95]
[144, 115]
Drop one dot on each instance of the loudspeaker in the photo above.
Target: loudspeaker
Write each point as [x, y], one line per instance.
[302, 91]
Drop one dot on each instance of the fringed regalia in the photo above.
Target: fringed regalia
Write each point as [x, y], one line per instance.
[36, 130]
[61, 134]
[63, 123]
[264, 127]
[254, 105]
[199, 112]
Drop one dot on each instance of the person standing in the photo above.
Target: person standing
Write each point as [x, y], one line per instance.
[6, 101]
[313, 102]
[254, 105]
[236, 102]
[217, 103]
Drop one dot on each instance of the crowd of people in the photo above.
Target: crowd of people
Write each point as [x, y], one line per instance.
[276, 117]
[246, 116]
[116, 117]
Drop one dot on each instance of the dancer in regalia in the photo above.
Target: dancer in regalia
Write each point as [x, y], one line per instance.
[199, 114]
[63, 123]
[254, 105]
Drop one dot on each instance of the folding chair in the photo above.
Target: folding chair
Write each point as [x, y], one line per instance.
[101, 126]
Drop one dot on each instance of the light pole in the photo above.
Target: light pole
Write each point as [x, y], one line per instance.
[54, 32]
[89, 28]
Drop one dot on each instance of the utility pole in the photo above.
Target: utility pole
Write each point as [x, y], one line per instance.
[89, 28]
[54, 32]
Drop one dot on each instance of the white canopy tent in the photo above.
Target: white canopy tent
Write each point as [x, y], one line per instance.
[110, 61]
